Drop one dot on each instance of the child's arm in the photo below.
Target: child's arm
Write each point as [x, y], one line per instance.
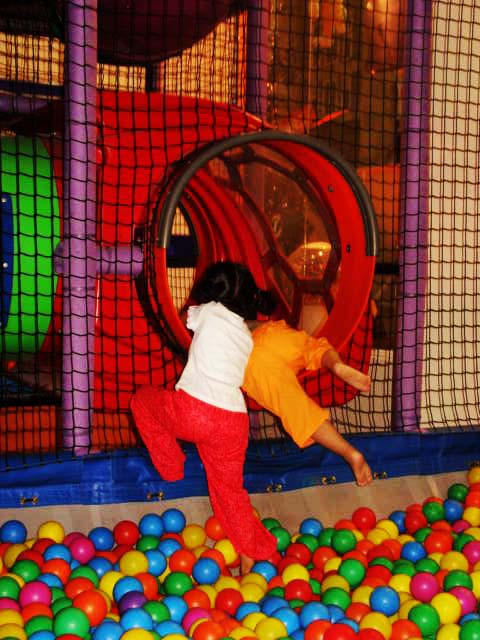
[332, 361]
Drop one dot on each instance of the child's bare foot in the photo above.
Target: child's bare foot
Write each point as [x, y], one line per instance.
[352, 376]
[246, 564]
[360, 468]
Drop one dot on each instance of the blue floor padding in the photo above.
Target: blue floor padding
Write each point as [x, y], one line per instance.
[125, 476]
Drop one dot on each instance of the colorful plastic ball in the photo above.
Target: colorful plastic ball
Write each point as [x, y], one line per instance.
[433, 510]
[151, 524]
[300, 552]
[343, 540]
[108, 630]
[264, 568]
[385, 600]
[472, 551]
[438, 542]
[157, 562]
[423, 586]
[298, 590]
[93, 604]
[193, 535]
[339, 631]
[100, 565]
[71, 620]
[426, 618]
[336, 596]
[415, 520]
[448, 607]
[453, 509]
[311, 526]
[176, 606]
[34, 591]
[282, 536]
[168, 546]
[26, 569]
[193, 615]
[57, 551]
[457, 578]
[136, 618]
[458, 491]
[126, 532]
[13, 531]
[214, 529]
[313, 611]
[228, 600]
[52, 530]
[466, 597]
[206, 571]
[413, 551]
[289, 618]
[43, 634]
[316, 630]
[124, 585]
[404, 630]
[470, 630]
[102, 538]
[378, 622]
[173, 521]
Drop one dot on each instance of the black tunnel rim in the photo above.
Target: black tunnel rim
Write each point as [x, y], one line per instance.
[212, 150]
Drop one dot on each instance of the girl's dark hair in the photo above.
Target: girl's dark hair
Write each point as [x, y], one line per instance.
[233, 285]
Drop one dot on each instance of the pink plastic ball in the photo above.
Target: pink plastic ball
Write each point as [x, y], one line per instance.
[472, 551]
[9, 603]
[70, 537]
[34, 591]
[460, 525]
[467, 599]
[194, 614]
[424, 586]
[82, 549]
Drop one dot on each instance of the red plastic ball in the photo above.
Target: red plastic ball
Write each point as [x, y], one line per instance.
[93, 605]
[345, 524]
[208, 630]
[415, 520]
[126, 532]
[59, 567]
[298, 590]
[197, 599]
[339, 631]
[182, 560]
[316, 630]
[364, 518]
[404, 630]
[214, 529]
[321, 555]
[438, 542]
[356, 611]
[149, 583]
[228, 600]
[216, 555]
[36, 609]
[370, 634]
[299, 551]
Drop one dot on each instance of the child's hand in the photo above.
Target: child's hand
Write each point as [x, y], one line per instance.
[352, 376]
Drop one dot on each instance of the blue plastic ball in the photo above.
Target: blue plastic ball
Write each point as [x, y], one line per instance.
[157, 562]
[57, 550]
[265, 569]
[245, 609]
[173, 521]
[168, 627]
[50, 579]
[385, 600]
[453, 510]
[108, 630]
[177, 607]
[13, 531]
[413, 551]
[102, 538]
[398, 517]
[313, 611]
[42, 634]
[206, 571]
[100, 565]
[299, 634]
[272, 603]
[312, 526]
[289, 617]
[151, 524]
[136, 618]
[168, 546]
[336, 613]
[126, 585]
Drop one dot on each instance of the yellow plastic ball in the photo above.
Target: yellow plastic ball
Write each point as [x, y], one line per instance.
[389, 526]
[254, 578]
[51, 529]
[13, 631]
[251, 620]
[405, 607]
[227, 550]
[295, 571]
[227, 582]
[474, 532]
[252, 592]
[362, 594]
[377, 536]
[448, 607]
[448, 632]
[240, 632]
[193, 536]
[437, 556]
[475, 576]
[403, 538]
[335, 581]
[270, 629]
[210, 591]
[358, 535]
[133, 562]
[332, 564]
[377, 621]
[197, 552]
[472, 515]
[10, 616]
[143, 634]
[400, 582]
[11, 554]
[169, 636]
[453, 560]
[108, 582]
[473, 475]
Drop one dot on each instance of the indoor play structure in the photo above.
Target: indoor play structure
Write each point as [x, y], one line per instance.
[331, 146]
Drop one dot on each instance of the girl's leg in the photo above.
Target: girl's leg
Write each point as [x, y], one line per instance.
[155, 411]
[327, 436]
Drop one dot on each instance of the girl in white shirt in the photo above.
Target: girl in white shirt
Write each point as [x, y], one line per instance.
[207, 406]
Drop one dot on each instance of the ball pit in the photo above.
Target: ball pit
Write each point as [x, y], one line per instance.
[412, 575]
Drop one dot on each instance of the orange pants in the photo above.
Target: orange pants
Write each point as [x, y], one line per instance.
[163, 417]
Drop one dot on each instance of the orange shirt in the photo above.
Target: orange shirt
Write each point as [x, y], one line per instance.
[279, 354]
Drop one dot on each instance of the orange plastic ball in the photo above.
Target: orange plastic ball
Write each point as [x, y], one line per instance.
[182, 560]
[197, 598]
[93, 604]
[208, 630]
[316, 629]
[214, 529]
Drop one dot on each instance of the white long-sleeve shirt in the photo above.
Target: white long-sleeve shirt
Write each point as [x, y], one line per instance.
[217, 357]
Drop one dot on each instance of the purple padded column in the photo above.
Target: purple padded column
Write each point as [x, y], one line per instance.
[413, 219]
[257, 57]
[79, 218]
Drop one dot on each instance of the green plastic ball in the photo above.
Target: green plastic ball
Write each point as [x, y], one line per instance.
[9, 587]
[325, 537]
[457, 578]
[270, 523]
[145, 543]
[427, 565]
[282, 536]
[71, 621]
[38, 623]
[433, 511]
[470, 630]
[426, 618]
[84, 571]
[308, 540]
[343, 540]
[353, 571]
[157, 610]
[26, 569]
[457, 491]
[404, 566]
[177, 583]
[337, 597]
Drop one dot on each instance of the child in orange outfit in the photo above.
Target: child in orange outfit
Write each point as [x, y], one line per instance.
[208, 408]
[279, 354]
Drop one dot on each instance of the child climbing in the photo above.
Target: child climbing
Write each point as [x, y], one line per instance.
[208, 408]
[279, 354]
